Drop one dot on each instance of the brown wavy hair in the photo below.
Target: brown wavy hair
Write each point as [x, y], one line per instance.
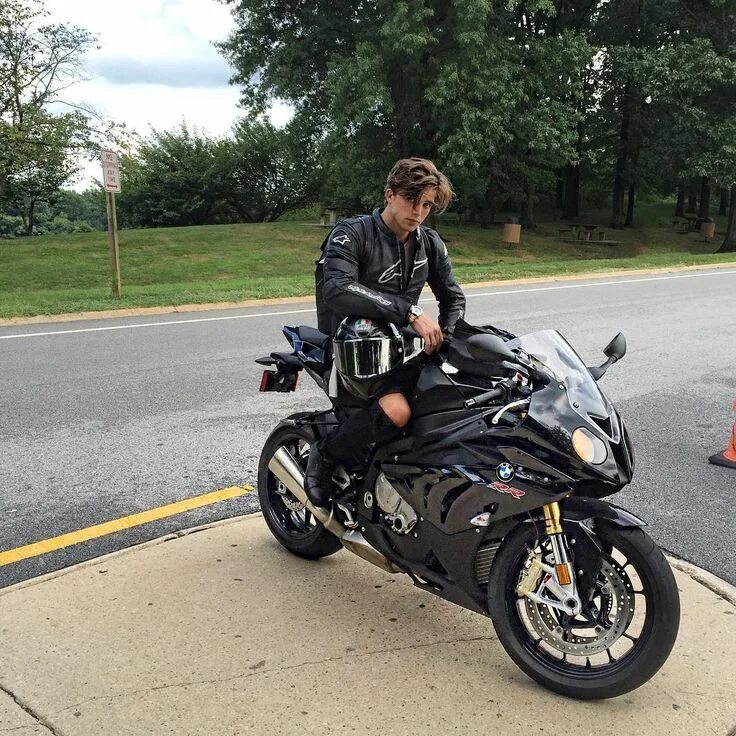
[411, 176]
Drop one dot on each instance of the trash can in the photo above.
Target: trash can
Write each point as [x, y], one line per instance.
[512, 231]
[707, 227]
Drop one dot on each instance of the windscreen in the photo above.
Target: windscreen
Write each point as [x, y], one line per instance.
[555, 353]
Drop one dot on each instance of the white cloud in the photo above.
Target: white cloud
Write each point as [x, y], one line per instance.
[156, 65]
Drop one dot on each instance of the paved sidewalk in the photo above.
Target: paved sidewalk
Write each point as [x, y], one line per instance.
[222, 632]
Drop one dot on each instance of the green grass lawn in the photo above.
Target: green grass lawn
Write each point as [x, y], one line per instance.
[187, 265]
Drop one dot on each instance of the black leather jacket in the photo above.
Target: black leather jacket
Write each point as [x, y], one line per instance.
[363, 275]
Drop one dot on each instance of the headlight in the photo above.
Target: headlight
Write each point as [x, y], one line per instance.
[588, 447]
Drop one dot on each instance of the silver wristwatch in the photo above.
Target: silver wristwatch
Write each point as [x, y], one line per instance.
[415, 311]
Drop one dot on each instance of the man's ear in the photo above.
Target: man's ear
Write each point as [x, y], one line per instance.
[388, 195]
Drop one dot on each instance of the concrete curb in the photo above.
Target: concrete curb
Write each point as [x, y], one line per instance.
[707, 579]
[122, 552]
[308, 298]
[701, 576]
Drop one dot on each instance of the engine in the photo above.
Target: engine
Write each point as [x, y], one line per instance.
[399, 515]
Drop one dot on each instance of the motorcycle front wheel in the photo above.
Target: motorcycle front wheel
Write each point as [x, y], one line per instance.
[628, 630]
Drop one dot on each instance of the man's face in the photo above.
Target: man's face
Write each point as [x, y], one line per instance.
[404, 213]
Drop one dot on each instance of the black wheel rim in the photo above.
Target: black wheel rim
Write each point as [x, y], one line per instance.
[291, 517]
[580, 665]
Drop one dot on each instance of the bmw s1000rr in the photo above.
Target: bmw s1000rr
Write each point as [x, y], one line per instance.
[492, 500]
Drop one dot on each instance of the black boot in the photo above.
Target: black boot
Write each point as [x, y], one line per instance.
[318, 476]
[350, 445]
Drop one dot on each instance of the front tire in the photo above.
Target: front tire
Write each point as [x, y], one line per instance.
[289, 520]
[636, 599]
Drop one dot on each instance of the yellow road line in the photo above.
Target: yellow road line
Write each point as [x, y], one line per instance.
[116, 525]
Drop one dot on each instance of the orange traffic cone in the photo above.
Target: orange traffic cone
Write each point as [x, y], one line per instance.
[727, 458]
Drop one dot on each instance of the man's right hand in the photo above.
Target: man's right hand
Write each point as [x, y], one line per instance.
[429, 331]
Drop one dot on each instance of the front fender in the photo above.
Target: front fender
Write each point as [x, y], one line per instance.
[581, 508]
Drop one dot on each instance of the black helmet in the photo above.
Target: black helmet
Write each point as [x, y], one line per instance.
[365, 351]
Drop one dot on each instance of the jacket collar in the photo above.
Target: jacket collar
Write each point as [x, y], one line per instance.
[384, 228]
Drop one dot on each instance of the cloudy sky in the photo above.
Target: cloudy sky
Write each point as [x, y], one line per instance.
[156, 65]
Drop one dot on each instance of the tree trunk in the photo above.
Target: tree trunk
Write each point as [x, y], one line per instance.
[729, 242]
[487, 214]
[692, 197]
[680, 205]
[527, 212]
[572, 192]
[630, 208]
[723, 205]
[29, 217]
[571, 208]
[402, 108]
[559, 189]
[619, 170]
[704, 209]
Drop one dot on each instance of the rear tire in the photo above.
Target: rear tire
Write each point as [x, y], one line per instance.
[640, 640]
[290, 522]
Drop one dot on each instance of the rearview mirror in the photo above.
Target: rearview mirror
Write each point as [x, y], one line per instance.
[489, 349]
[616, 349]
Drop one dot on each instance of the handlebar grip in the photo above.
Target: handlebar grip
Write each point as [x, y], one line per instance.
[485, 398]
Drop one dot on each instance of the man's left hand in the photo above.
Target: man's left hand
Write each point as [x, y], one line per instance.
[429, 331]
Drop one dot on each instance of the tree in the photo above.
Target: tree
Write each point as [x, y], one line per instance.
[183, 177]
[39, 149]
[175, 179]
[386, 79]
[42, 162]
[693, 83]
[269, 171]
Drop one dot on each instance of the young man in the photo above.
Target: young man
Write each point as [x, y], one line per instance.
[375, 266]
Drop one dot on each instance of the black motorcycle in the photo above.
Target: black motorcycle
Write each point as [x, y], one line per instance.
[492, 500]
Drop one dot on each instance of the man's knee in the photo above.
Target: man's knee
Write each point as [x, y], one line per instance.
[396, 408]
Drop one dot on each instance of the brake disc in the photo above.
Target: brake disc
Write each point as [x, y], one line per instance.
[616, 594]
[290, 501]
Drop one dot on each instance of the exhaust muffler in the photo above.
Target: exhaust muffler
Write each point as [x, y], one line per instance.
[287, 470]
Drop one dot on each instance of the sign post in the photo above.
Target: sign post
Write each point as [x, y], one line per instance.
[111, 183]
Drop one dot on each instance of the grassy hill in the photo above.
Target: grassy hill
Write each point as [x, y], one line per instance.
[187, 265]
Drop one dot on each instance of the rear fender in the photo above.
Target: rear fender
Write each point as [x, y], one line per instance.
[318, 423]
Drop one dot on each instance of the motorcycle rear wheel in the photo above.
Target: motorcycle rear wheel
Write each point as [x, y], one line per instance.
[290, 522]
[579, 660]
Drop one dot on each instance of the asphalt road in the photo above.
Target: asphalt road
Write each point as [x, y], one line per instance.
[102, 419]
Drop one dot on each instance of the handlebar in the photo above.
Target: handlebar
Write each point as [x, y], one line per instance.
[486, 397]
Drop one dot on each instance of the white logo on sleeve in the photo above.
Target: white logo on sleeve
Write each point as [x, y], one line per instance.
[392, 272]
[419, 264]
[370, 294]
[341, 240]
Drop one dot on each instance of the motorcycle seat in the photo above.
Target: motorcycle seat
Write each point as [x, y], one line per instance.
[312, 336]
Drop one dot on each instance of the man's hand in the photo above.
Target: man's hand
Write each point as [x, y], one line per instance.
[429, 330]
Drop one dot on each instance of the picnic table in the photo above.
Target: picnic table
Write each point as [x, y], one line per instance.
[584, 231]
[328, 216]
[587, 232]
[692, 219]
[588, 229]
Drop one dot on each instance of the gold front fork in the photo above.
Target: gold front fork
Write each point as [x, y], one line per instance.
[553, 527]
[552, 522]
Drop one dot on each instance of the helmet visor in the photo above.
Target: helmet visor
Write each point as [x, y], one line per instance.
[367, 358]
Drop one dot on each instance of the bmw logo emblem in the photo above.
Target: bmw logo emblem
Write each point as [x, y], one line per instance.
[505, 472]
